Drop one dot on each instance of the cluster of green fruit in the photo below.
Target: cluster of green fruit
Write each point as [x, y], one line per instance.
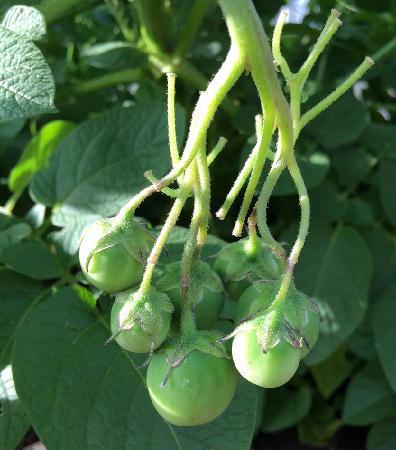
[191, 378]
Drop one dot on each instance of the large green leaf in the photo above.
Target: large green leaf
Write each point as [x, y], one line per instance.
[14, 422]
[63, 373]
[384, 317]
[341, 124]
[369, 397]
[382, 245]
[381, 138]
[32, 258]
[382, 436]
[100, 165]
[26, 83]
[26, 21]
[17, 294]
[285, 407]
[36, 154]
[387, 170]
[335, 270]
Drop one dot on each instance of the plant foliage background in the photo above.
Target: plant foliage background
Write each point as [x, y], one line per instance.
[86, 117]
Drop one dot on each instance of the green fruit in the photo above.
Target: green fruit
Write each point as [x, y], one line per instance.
[112, 256]
[258, 295]
[206, 294]
[150, 321]
[268, 370]
[197, 391]
[237, 261]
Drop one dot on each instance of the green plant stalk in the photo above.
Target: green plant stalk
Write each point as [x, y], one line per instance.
[195, 18]
[203, 114]
[165, 232]
[11, 202]
[174, 152]
[252, 246]
[336, 94]
[54, 10]
[154, 32]
[112, 79]
[216, 150]
[263, 147]
[166, 190]
[204, 197]
[385, 51]
[244, 173]
[246, 30]
[276, 50]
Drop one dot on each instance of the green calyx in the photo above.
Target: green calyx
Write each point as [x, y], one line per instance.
[237, 263]
[205, 293]
[295, 320]
[179, 347]
[113, 253]
[140, 321]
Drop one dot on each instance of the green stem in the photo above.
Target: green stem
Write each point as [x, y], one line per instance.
[243, 174]
[263, 147]
[305, 210]
[336, 94]
[202, 116]
[164, 234]
[204, 196]
[112, 79]
[11, 202]
[216, 150]
[196, 16]
[54, 10]
[386, 50]
[252, 246]
[166, 190]
[174, 152]
[154, 32]
[276, 49]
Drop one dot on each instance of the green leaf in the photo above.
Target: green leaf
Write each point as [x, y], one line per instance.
[327, 203]
[387, 187]
[341, 124]
[382, 246]
[26, 84]
[352, 164]
[26, 21]
[61, 366]
[332, 372]
[14, 422]
[368, 398]
[382, 436]
[12, 231]
[32, 258]
[36, 154]
[99, 166]
[111, 55]
[17, 294]
[381, 138]
[314, 168]
[335, 269]
[359, 212]
[384, 317]
[285, 407]
[361, 341]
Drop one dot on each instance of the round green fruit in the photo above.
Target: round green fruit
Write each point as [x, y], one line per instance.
[197, 391]
[268, 370]
[112, 256]
[256, 296]
[236, 260]
[136, 339]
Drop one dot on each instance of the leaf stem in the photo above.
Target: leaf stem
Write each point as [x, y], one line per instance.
[336, 94]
